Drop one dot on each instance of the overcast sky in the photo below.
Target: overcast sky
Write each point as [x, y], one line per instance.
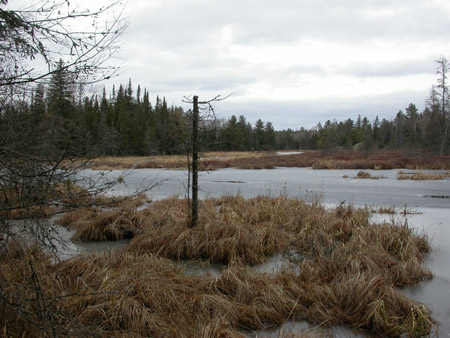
[292, 62]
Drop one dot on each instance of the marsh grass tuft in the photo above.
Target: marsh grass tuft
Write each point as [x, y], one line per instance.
[420, 176]
[366, 175]
[92, 224]
[348, 272]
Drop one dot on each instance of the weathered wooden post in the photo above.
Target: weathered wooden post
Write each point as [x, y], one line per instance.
[195, 118]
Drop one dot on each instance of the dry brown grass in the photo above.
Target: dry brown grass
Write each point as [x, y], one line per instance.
[38, 211]
[366, 175]
[420, 176]
[385, 210]
[128, 162]
[208, 161]
[348, 270]
[17, 204]
[96, 224]
[346, 276]
[47, 201]
[269, 160]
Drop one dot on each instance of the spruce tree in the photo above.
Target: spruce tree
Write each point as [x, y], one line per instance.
[60, 93]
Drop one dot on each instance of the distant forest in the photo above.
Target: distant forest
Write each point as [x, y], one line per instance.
[125, 122]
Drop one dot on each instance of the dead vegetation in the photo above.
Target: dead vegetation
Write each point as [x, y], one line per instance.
[366, 175]
[131, 294]
[269, 160]
[347, 271]
[98, 224]
[18, 203]
[420, 176]
[385, 210]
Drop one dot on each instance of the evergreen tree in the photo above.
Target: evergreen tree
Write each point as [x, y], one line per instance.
[259, 134]
[413, 126]
[64, 118]
[60, 93]
[234, 139]
[386, 134]
[38, 101]
[245, 133]
[270, 140]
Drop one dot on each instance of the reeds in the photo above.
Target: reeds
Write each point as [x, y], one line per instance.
[347, 272]
[15, 203]
[143, 295]
[384, 210]
[269, 160]
[366, 175]
[229, 230]
[97, 224]
[420, 176]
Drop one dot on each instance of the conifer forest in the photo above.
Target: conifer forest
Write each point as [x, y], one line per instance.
[127, 121]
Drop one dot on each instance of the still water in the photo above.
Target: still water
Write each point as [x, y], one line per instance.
[430, 200]
[332, 186]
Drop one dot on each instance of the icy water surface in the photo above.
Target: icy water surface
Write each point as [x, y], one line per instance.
[430, 199]
[333, 186]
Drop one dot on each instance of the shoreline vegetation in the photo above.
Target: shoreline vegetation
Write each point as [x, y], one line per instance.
[376, 160]
[343, 271]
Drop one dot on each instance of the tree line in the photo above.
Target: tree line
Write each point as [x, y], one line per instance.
[410, 129]
[125, 122]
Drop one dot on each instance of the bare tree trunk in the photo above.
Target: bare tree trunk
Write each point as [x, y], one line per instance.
[188, 188]
[195, 163]
[443, 70]
[444, 140]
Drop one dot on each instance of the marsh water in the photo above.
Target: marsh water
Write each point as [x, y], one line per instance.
[429, 202]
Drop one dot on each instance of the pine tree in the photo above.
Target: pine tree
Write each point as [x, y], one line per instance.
[259, 135]
[60, 93]
[38, 101]
[270, 141]
[413, 126]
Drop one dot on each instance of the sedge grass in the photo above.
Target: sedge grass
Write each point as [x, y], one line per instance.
[366, 175]
[377, 160]
[348, 272]
[97, 224]
[420, 176]
[123, 293]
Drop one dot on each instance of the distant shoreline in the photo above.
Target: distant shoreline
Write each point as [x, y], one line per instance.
[376, 160]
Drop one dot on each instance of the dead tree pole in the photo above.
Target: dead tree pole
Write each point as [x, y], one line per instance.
[195, 119]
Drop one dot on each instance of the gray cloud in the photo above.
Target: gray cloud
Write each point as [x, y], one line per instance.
[388, 69]
[307, 113]
[208, 47]
[180, 23]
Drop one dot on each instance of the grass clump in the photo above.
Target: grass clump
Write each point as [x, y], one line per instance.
[141, 294]
[347, 271]
[97, 224]
[385, 210]
[366, 175]
[420, 176]
[229, 230]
